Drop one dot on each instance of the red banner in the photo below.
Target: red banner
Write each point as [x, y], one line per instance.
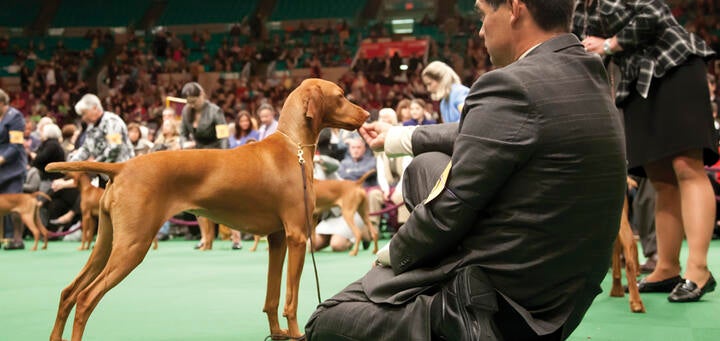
[406, 48]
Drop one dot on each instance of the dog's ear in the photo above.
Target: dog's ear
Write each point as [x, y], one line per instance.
[313, 97]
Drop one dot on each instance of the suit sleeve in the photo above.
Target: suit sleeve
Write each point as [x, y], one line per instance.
[498, 133]
[434, 138]
[14, 151]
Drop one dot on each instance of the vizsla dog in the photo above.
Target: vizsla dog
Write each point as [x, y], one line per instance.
[625, 244]
[266, 198]
[26, 205]
[351, 197]
[90, 208]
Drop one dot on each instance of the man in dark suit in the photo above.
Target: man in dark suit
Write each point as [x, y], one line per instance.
[514, 239]
[12, 166]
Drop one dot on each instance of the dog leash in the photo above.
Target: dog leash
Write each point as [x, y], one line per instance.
[301, 161]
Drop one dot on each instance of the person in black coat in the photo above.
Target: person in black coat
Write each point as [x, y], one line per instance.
[514, 209]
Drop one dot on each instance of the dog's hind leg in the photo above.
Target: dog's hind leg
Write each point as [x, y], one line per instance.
[98, 258]
[349, 215]
[38, 222]
[278, 248]
[28, 220]
[129, 248]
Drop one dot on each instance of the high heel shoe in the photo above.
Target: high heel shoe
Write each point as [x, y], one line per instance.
[689, 291]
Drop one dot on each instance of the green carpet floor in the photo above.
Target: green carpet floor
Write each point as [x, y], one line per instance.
[182, 294]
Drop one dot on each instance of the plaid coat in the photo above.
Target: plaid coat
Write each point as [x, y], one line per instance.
[106, 141]
[653, 41]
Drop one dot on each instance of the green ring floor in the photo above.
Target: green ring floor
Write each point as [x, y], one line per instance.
[178, 293]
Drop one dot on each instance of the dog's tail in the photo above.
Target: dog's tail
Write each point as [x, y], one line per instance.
[42, 194]
[110, 169]
[364, 177]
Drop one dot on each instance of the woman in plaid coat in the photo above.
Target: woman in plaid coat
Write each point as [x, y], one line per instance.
[663, 93]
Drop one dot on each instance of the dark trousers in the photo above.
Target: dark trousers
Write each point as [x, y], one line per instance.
[435, 314]
[14, 186]
[643, 211]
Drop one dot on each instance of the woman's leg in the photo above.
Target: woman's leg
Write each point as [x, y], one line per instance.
[668, 219]
[698, 212]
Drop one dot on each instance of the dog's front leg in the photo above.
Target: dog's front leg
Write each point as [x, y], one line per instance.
[276, 242]
[297, 242]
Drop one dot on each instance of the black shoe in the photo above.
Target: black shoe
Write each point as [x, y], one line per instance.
[198, 246]
[236, 246]
[15, 246]
[666, 285]
[688, 291]
[463, 310]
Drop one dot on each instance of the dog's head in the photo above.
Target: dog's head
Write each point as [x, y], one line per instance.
[325, 105]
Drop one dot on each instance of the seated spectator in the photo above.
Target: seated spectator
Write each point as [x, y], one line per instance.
[389, 177]
[169, 137]
[357, 163]
[50, 150]
[245, 130]
[417, 114]
[403, 110]
[268, 124]
[69, 135]
[32, 178]
[138, 138]
[332, 230]
[332, 142]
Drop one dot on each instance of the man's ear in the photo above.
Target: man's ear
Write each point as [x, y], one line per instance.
[516, 7]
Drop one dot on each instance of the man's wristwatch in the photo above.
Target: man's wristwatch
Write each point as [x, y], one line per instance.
[606, 48]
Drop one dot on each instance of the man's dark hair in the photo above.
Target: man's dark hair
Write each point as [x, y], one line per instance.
[550, 15]
[192, 89]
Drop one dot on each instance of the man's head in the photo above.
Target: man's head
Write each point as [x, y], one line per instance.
[511, 27]
[356, 147]
[266, 113]
[89, 108]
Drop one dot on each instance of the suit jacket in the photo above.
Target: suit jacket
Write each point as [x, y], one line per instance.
[13, 169]
[534, 194]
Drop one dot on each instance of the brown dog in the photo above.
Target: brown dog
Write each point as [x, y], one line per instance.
[351, 197]
[26, 205]
[625, 244]
[266, 198]
[90, 208]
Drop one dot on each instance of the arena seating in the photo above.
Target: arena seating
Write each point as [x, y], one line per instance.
[100, 13]
[188, 12]
[316, 9]
[19, 13]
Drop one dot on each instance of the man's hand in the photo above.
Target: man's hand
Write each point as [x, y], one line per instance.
[383, 256]
[631, 183]
[2, 160]
[374, 134]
